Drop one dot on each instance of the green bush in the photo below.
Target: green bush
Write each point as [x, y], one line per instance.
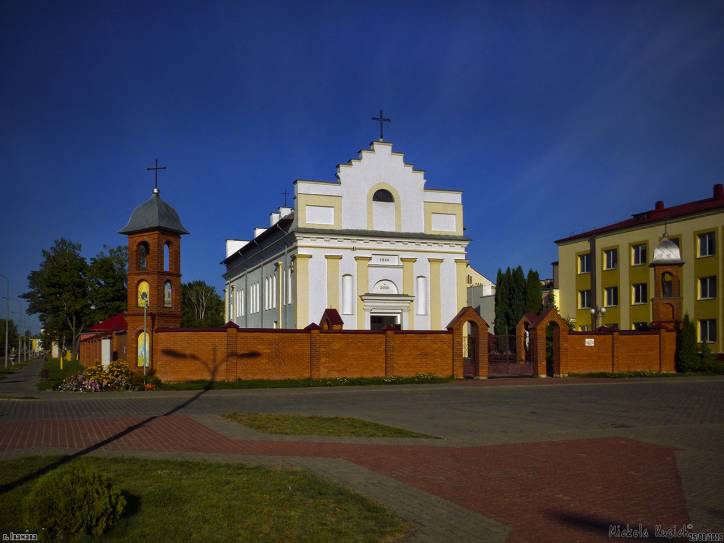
[71, 503]
[687, 359]
[707, 360]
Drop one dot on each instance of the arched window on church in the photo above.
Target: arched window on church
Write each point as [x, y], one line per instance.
[383, 210]
[347, 294]
[383, 195]
[144, 293]
[421, 295]
[167, 294]
[667, 285]
[167, 256]
[142, 251]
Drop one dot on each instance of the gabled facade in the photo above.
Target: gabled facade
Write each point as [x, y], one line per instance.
[376, 245]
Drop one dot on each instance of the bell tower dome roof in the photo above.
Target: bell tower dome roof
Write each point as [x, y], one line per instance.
[154, 214]
[666, 252]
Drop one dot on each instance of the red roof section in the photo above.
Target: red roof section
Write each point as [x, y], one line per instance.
[658, 214]
[116, 323]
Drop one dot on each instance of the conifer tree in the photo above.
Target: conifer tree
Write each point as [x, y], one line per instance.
[518, 296]
[533, 293]
[501, 302]
[686, 355]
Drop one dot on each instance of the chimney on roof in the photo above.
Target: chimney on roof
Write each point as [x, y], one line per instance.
[719, 191]
[659, 205]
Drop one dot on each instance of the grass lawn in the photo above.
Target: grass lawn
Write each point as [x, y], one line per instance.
[55, 375]
[274, 423]
[199, 501]
[291, 383]
[626, 374]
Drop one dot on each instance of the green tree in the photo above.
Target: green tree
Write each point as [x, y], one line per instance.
[533, 293]
[517, 297]
[501, 304]
[201, 306]
[687, 358]
[59, 292]
[107, 282]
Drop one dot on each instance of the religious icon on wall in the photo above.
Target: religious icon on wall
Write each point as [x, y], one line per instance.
[143, 349]
[143, 293]
[167, 294]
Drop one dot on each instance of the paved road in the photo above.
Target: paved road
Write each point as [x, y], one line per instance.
[23, 381]
[545, 461]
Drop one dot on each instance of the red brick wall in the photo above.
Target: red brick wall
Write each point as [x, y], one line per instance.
[621, 352]
[351, 354]
[422, 352]
[230, 354]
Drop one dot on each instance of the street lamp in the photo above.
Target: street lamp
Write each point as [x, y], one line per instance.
[21, 337]
[7, 319]
[144, 302]
[596, 313]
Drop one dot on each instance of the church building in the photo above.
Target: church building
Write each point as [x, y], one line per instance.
[375, 244]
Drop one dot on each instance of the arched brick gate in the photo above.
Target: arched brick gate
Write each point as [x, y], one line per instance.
[535, 327]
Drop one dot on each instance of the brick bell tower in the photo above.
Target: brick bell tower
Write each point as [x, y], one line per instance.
[154, 274]
[666, 303]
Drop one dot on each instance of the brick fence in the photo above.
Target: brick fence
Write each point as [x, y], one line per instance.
[589, 352]
[230, 353]
[327, 351]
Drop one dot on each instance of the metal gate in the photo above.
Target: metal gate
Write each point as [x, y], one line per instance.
[503, 359]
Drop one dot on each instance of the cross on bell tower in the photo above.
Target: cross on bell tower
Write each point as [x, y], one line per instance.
[155, 170]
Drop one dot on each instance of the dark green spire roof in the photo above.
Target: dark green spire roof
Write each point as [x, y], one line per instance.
[154, 214]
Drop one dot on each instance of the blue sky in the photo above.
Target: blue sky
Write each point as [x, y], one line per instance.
[552, 117]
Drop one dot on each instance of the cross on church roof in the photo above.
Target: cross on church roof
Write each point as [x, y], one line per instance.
[285, 193]
[155, 169]
[382, 119]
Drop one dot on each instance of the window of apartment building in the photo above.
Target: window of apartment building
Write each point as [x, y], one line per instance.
[640, 293]
[706, 244]
[584, 263]
[611, 295]
[639, 254]
[610, 259]
[584, 299]
[707, 287]
[707, 331]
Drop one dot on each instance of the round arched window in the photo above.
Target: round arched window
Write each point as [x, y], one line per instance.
[383, 195]
[142, 251]
[667, 285]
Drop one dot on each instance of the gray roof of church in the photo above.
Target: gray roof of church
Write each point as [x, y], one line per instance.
[154, 214]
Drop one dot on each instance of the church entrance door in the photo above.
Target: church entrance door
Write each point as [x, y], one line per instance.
[380, 322]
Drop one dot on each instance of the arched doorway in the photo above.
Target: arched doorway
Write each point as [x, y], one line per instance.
[471, 354]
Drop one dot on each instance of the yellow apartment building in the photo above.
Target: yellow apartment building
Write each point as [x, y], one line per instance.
[607, 269]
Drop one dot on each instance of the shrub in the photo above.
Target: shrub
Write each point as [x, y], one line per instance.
[707, 359]
[686, 357]
[68, 504]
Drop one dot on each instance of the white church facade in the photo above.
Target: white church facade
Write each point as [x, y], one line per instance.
[375, 245]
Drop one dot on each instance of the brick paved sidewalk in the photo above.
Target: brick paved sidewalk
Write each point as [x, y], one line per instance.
[546, 491]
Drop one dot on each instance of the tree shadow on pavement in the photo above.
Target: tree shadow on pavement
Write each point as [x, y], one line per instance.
[213, 370]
